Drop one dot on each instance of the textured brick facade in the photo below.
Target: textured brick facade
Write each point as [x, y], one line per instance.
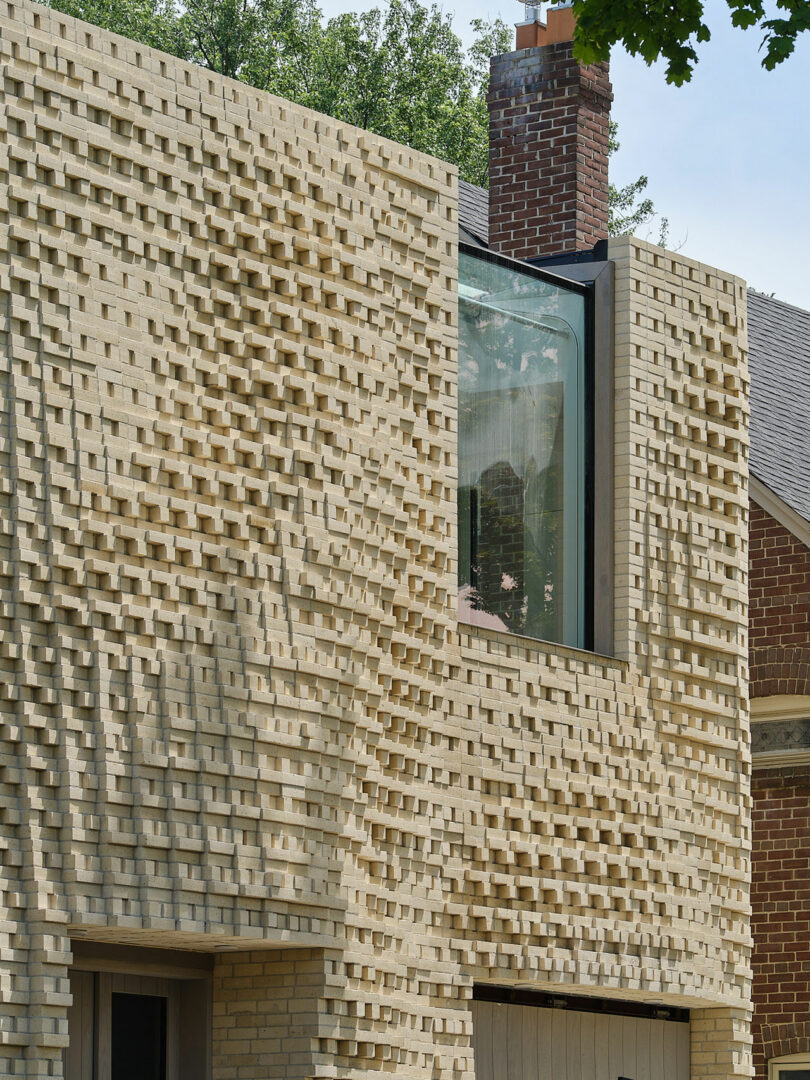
[779, 591]
[780, 901]
[548, 154]
[239, 713]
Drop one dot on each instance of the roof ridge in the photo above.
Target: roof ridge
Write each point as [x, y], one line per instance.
[775, 300]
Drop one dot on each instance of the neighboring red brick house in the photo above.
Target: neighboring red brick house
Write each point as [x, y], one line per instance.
[779, 643]
[779, 591]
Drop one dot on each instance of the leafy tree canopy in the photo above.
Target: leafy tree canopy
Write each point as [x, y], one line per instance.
[670, 30]
[400, 70]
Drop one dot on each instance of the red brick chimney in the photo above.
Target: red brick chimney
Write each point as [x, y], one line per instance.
[548, 143]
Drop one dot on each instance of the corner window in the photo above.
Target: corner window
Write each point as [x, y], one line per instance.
[522, 451]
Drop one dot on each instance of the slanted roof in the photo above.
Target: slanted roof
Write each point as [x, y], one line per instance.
[473, 212]
[779, 361]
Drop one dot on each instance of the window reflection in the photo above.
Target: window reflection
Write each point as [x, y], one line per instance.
[521, 454]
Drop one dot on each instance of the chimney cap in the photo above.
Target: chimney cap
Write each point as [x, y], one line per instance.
[559, 25]
[533, 12]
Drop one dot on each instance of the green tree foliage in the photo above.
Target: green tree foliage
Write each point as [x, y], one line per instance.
[154, 22]
[402, 73]
[671, 30]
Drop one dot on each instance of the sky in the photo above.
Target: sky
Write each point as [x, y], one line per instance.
[727, 155]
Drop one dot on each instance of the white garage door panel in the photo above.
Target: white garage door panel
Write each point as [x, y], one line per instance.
[520, 1042]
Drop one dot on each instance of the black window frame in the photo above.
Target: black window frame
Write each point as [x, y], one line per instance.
[593, 279]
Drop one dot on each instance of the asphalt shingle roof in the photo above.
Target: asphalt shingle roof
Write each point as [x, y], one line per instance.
[473, 211]
[779, 362]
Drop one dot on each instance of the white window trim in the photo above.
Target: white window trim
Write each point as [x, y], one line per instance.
[780, 707]
[780, 1068]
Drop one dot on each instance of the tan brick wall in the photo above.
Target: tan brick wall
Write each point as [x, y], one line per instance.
[237, 707]
[721, 1043]
[615, 795]
[268, 1013]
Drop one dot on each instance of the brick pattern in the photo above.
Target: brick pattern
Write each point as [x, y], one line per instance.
[780, 608]
[780, 896]
[238, 711]
[720, 1043]
[226, 480]
[548, 156]
[783, 1040]
[780, 900]
[680, 578]
[268, 1015]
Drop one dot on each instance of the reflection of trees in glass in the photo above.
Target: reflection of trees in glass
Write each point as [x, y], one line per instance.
[498, 573]
[519, 452]
[544, 543]
[512, 559]
[511, 456]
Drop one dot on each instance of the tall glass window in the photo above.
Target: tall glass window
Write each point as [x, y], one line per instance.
[522, 452]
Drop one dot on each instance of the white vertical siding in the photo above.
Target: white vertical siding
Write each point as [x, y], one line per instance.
[520, 1042]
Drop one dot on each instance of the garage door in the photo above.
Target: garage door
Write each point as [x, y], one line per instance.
[520, 1042]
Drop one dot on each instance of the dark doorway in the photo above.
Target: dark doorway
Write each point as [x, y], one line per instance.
[139, 1014]
[138, 1037]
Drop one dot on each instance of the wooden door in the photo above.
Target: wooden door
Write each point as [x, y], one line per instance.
[136, 1027]
[137, 1036]
[80, 1054]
